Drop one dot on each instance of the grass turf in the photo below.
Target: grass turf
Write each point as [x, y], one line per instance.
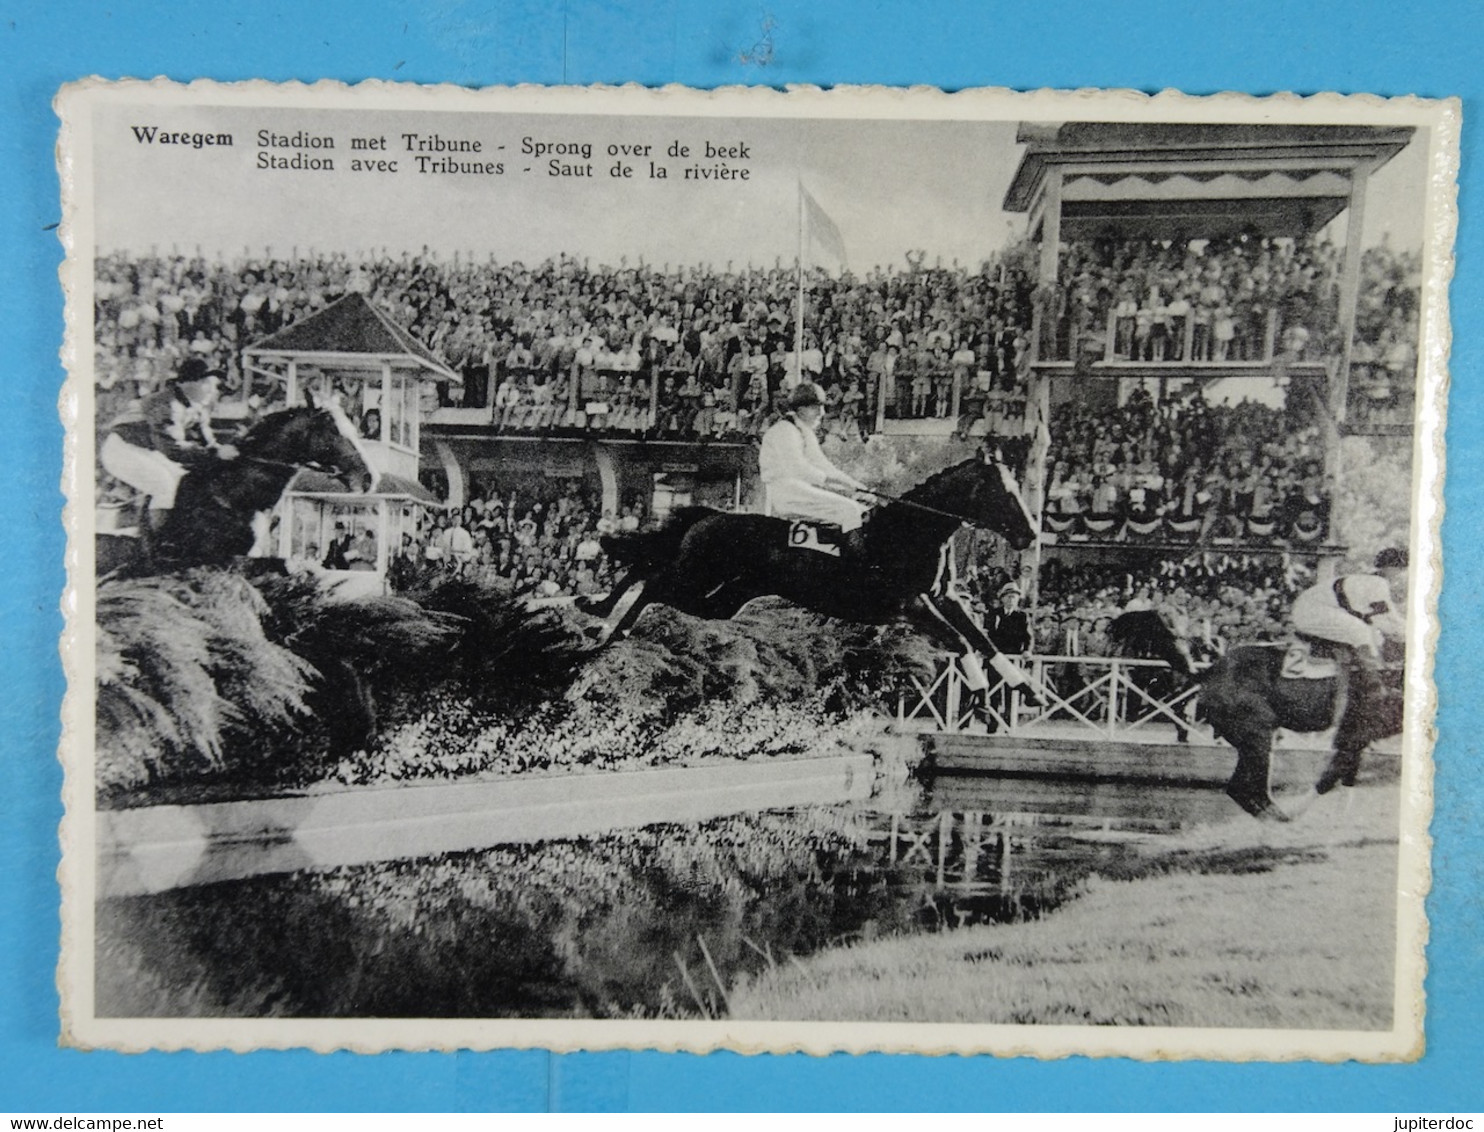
[1237, 925]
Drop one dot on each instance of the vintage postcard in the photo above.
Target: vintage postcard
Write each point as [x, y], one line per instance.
[816, 570]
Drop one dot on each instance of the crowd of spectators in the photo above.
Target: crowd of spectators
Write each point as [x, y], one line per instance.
[698, 352]
[544, 542]
[1213, 599]
[690, 353]
[1181, 469]
[1384, 357]
[1245, 299]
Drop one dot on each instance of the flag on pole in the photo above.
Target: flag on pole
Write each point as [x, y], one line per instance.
[820, 230]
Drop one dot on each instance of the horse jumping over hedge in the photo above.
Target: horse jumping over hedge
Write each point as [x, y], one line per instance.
[218, 501]
[710, 563]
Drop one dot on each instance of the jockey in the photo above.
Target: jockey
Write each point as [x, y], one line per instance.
[150, 446]
[1354, 611]
[800, 481]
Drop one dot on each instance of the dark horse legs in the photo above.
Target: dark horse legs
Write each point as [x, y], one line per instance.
[1250, 782]
[669, 587]
[1247, 721]
[1363, 722]
[965, 634]
[605, 606]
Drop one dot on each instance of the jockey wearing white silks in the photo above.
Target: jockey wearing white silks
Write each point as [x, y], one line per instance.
[800, 480]
[1354, 610]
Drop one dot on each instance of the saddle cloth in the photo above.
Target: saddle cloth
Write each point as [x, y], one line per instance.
[1301, 663]
[823, 538]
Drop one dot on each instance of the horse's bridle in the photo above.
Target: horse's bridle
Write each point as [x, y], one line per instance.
[923, 507]
[917, 506]
[313, 466]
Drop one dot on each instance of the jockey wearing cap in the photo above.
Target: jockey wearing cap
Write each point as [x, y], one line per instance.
[800, 480]
[1355, 611]
[150, 446]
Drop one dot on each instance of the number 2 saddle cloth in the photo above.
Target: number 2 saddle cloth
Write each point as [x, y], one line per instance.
[1304, 659]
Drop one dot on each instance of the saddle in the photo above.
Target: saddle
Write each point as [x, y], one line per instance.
[1305, 658]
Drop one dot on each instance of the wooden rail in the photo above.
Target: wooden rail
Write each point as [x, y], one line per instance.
[1112, 699]
[158, 848]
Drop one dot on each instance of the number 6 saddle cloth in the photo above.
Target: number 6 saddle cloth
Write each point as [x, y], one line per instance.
[822, 538]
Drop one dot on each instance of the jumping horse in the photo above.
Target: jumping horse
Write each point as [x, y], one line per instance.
[212, 522]
[1245, 696]
[710, 563]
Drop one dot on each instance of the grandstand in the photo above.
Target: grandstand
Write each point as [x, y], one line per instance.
[1176, 343]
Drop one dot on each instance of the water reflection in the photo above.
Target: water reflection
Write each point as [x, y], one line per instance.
[657, 921]
[999, 849]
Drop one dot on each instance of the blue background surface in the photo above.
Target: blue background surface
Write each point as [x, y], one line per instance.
[1258, 46]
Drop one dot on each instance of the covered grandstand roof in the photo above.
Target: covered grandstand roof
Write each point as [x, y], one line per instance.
[1151, 178]
[350, 329]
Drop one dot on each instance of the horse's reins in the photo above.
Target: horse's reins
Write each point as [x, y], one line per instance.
[265, 462]
[917, 506]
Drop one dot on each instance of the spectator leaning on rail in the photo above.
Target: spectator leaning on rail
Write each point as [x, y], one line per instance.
[800, 480]
[151, 446]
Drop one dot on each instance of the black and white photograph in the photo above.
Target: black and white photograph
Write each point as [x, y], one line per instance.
[818, 570]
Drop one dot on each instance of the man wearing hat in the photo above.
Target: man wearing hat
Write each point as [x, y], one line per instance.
[1009, 627]
[1010, 630]
[800, 481]
[151, 446]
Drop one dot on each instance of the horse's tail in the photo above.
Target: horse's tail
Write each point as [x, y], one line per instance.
[1144, 633]
[653, 549]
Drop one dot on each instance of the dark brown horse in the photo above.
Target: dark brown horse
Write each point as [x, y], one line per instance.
[710, 563]
[1245, 697]
[217, 501]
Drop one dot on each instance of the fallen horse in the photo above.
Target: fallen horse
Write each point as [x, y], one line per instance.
[1246, 695]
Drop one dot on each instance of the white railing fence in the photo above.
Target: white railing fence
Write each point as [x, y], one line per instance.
[1092, 697]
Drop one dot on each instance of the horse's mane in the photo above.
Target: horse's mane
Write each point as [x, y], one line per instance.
[933, 482]
[266, 430]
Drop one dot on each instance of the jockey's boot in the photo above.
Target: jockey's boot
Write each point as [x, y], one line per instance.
[151, 522]
[1357, 725]
[1017, 680]
[976, 691]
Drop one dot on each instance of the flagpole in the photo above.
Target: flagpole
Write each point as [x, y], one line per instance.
[799, 309]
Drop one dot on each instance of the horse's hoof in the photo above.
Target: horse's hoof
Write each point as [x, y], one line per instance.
[1031, 697]
[1341, 771]
[1259, 805]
